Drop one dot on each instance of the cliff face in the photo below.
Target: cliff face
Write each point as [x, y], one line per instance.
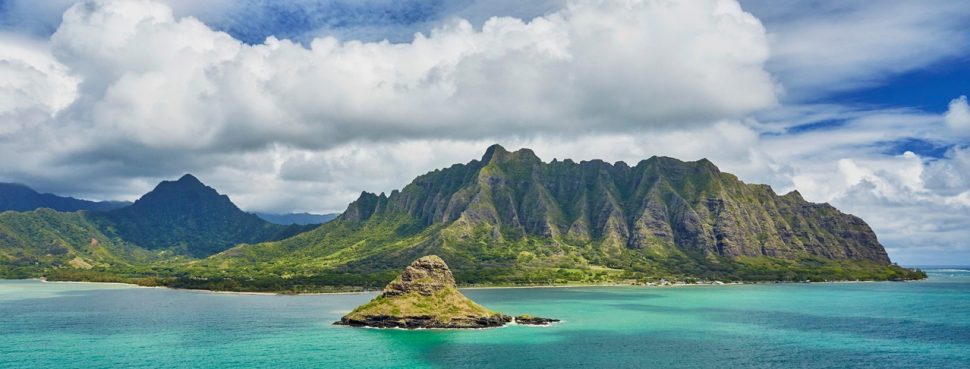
[661, 206]
[511, 218]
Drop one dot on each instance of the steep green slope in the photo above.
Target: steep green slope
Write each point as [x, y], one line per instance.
[191, 218]
[510, 218]
[40, 242]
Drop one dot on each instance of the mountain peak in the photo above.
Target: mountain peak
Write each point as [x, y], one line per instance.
[186, 188]
[425, 276]
[206, 221]
[525, 154]
[189, 179]
[495, 151]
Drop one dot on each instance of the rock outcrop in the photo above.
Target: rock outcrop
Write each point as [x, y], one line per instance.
[534, 320]
[423, 296]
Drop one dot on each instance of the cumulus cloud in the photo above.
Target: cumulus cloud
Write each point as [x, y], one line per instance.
[32, 79]
[916, 203]
[126, 93]
[151, 85]
[915, 212]
[164, 82]
[958, 115]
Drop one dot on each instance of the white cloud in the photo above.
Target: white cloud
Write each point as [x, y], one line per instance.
[32, 79]
[958, 115]
[128, 92]
[614, 65]
[823, 47]
[157, 95]
[916, 204]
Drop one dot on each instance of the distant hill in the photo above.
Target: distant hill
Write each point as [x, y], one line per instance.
[18, 197]
[190, 216]
[176, 219]
[297, 218]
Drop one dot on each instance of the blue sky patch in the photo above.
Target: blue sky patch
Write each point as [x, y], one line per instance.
[921, 147]
[929, 89]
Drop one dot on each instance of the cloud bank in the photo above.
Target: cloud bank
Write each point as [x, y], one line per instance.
[126, 87]
[150, 79]
[120, 94]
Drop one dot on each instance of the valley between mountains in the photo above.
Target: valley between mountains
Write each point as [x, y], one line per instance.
[507, 219]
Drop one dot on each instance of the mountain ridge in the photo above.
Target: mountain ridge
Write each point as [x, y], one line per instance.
[621, 208]
[507, 219]
[20, 197]
[512, 218]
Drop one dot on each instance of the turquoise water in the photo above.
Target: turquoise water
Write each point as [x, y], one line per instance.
[851, 325]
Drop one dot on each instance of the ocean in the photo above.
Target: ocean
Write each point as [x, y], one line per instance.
[924, 324]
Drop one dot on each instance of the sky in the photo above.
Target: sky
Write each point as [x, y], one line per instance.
[300, 105]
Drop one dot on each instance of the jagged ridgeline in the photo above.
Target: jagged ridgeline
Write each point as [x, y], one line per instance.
[512, 218]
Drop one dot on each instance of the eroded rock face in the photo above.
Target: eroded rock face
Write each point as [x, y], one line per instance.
[423, 296]
[424, 276]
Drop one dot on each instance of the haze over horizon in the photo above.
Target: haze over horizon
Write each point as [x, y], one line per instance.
[300, 106]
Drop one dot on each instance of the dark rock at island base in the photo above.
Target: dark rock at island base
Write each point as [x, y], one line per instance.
[424, 295]
[426, 321]
[534, 320]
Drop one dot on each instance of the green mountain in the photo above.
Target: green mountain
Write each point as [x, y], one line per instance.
[511, 218]
[176, 221]
[190, 217]
[508, 218]
[17, 197]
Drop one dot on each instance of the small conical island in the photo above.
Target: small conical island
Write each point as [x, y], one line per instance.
[425, 296]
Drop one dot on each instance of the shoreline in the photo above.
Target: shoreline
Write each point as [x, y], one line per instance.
[287, 293]
[254, 293]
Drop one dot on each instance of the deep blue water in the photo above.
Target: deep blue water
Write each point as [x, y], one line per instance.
[847, 325]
